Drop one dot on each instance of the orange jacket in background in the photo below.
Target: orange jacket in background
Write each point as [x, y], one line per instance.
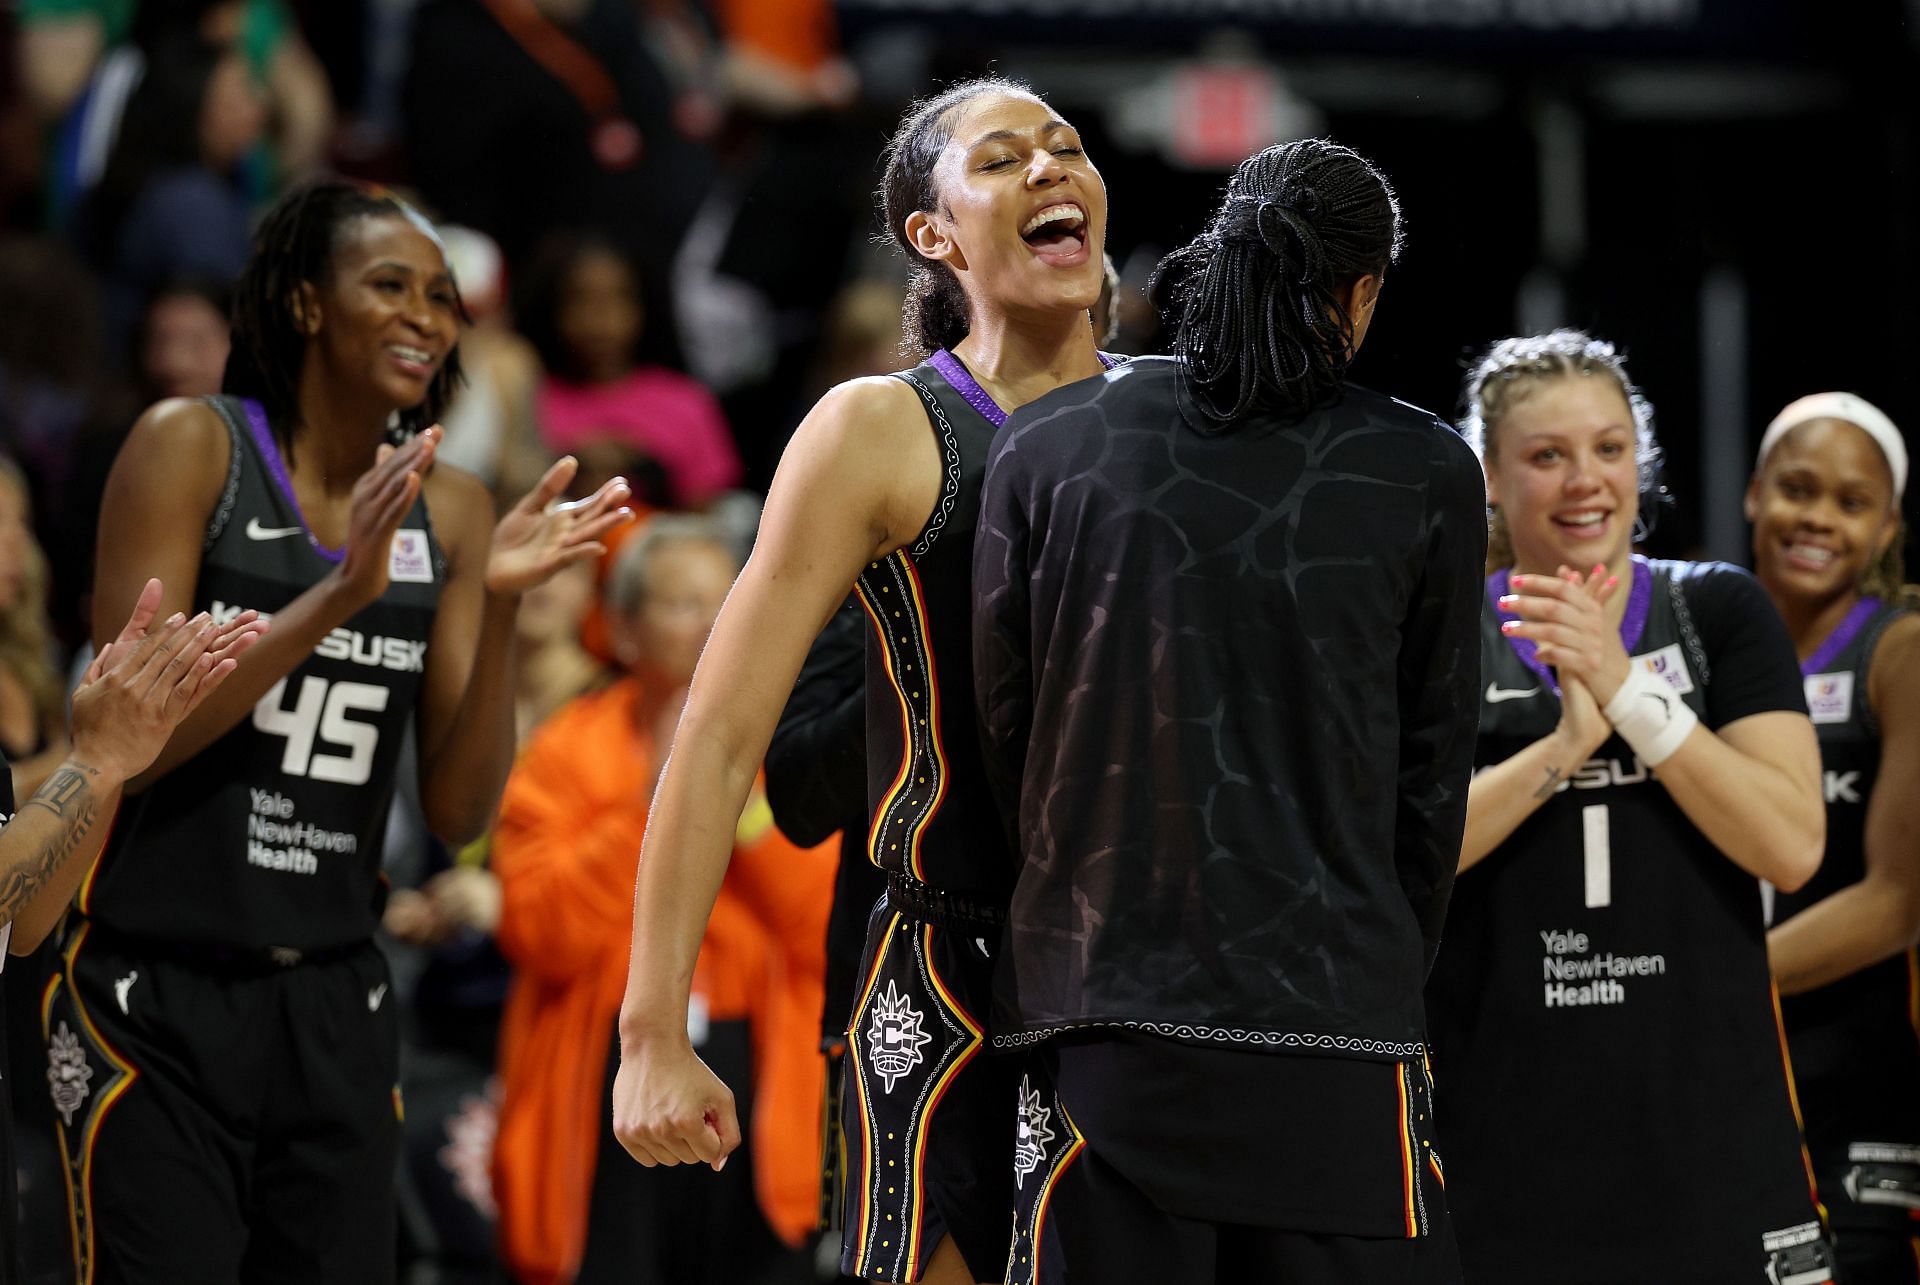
[566, 849]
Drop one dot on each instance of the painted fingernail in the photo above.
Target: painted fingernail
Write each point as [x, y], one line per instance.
[1507, 600]
[1516, 581]
[1508, 626]
[177, 618]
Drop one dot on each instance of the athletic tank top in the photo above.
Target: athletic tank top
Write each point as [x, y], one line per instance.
[1614, 1101]
[271, 836]
[933, 818]
[1855, 1043]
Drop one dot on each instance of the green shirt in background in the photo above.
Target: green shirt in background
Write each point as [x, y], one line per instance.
[262, 28]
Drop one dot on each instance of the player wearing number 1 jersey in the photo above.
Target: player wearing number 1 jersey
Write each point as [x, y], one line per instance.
[1616, 1103]
[223, 1047]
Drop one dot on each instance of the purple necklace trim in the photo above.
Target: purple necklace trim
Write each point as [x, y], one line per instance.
[270, 451]
[1843, 633]
[955, 372]
[1632, 624]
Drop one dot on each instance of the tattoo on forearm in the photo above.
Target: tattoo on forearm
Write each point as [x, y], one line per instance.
[1547, 786]
[68, 795]
[59, 791]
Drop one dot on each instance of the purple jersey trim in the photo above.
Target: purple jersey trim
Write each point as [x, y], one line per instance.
[1843, 634]
[954, 371]
[1632, 625]
[270, 451]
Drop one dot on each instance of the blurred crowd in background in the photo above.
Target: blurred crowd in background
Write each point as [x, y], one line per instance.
[659, 214]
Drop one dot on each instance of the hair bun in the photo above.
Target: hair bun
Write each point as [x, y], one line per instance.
[1299, 198]
[1287, 229]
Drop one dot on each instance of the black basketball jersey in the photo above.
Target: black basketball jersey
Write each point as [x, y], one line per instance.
[933, 818]
[1604, 1032]
[1855, 1045]
[271, 836]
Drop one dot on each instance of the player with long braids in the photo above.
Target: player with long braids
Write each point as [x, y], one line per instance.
[1602, 1008]
[223, 1018]
[1003, 217]
[1825, 506]
[1225, 653]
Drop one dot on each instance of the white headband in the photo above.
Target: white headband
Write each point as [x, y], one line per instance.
[1859, 412]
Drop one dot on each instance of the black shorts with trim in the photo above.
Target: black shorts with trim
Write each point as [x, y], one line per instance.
[926, 1115]
[224, 1122]
[1080, 1219]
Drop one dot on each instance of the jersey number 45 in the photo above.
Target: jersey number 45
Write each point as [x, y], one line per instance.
[321, 713]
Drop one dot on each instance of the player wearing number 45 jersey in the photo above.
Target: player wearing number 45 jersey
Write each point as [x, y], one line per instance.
[223, 1050]
[1605, 1035]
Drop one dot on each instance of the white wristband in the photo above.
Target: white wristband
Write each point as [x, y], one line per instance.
[1649, 715]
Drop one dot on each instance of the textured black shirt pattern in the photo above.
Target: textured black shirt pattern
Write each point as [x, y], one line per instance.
[1228, 684]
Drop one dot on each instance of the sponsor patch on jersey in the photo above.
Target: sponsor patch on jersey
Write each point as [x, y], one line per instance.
[1830, 696]
[1669, 664]
[410, 559]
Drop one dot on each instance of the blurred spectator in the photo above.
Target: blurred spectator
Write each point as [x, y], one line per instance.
[182, 341]
[57, 394]
[573, 1206]
[490, 424]
[862, 333]
[170, 203]
[452, 1031]
[783, 56]
[80, 56]
[33, 712]
[517, 109]
[581, 307]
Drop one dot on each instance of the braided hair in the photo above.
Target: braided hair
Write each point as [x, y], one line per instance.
[935, 313]
[1251, 300]
[1514, 369]
[294, 246]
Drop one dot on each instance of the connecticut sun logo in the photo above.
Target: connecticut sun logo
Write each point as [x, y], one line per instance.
[894, 1037]
[67, 1073]
[1031, 1135]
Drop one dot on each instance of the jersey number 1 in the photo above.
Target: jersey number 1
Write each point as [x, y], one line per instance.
[1596, 855]
[320, 712]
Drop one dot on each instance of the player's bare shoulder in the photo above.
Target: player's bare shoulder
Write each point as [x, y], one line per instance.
[1894, 680]
[872, 438]
[181, 448]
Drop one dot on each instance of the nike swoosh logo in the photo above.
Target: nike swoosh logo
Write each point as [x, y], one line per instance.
[1496, 693]
[257, 532]
[374, 997]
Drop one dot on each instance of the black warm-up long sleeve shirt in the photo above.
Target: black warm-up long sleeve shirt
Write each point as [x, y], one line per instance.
[1228, 686]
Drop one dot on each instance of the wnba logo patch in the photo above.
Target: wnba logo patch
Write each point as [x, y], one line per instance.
[894, 1037]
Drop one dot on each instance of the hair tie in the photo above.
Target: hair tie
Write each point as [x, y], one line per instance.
[1303, 200]
[1278, 220]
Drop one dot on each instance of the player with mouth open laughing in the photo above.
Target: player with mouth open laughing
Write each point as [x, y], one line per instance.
[1004, 218]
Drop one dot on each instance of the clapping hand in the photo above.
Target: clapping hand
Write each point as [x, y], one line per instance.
[143, 683]
[540, 534]
[1565, 616]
